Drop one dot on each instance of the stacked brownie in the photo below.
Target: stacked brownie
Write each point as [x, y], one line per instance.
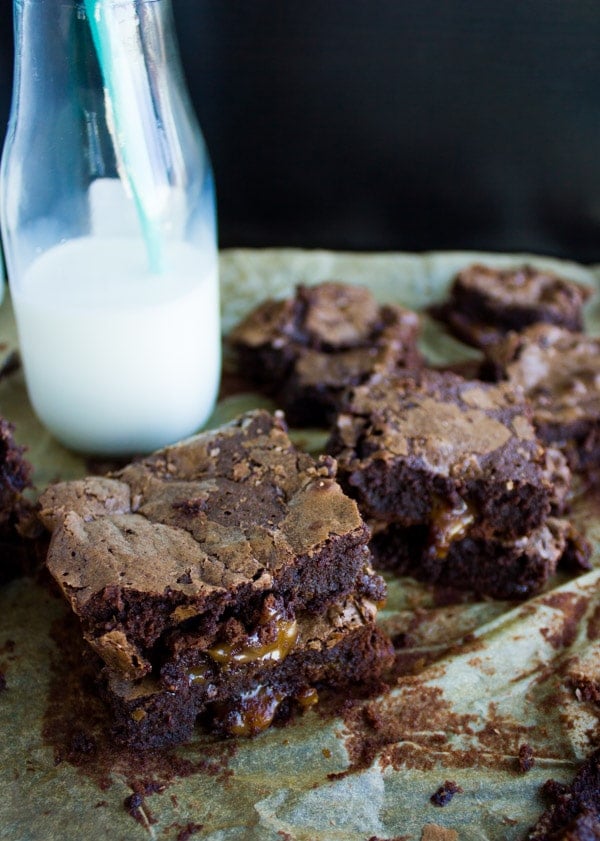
[559, 372]
[456, 486]
[308, 349]
[486, 303]
[225, 579]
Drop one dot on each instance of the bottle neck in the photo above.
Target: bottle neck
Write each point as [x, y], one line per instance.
[107, 106]
[55, 36]
[61, 71]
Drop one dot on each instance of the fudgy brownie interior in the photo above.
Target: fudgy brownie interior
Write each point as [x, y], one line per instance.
[455, 484]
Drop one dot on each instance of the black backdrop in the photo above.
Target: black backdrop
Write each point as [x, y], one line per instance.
[385, 124]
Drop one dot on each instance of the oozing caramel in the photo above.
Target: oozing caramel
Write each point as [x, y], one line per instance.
[255, 712]
[449, 524]
[251, 649]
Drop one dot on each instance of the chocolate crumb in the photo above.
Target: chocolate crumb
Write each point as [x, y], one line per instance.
[133, 803]
[525, 758]
[137, 808]
[189, 830]
[445, 793]
[2, 682]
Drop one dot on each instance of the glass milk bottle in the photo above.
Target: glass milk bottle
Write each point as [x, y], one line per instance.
[108, 219]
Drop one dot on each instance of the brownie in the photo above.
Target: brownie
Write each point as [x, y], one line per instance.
[500, 569]
[574, 810]
[559, 372]
[415, 449]
[307, 350]
[486, 303]
[244, 691]
[220, 543]
[18, 525]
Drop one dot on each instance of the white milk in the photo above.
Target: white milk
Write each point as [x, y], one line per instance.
[118, 360]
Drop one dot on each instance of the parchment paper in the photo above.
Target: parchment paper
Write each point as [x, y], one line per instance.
[477, 680]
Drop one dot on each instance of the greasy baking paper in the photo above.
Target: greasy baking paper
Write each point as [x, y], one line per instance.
[478, 681]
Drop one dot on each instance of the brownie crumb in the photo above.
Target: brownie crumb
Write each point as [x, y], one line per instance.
[133, 802]
[191, 829]
[525, 758]
[136, 806]
[445, 793]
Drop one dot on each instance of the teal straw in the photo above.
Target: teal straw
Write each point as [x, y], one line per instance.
[130, 109]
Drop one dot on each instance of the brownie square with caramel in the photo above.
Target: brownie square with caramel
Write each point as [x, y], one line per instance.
[197, 568]
[429, 447]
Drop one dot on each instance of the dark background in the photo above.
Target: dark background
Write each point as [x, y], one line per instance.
[384, 124]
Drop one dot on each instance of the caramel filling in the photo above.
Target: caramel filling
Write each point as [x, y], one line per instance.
[307, 697]
[255, 712]
[251, 649]
[447, 525]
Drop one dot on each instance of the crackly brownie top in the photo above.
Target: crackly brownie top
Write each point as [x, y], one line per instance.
[328, 316]
[392, 346]
[522, 287]
[226, 511]
[558, 370]
[439, 422]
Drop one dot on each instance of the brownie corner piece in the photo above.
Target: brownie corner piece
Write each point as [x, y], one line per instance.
[485, 303]
[411, 447]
